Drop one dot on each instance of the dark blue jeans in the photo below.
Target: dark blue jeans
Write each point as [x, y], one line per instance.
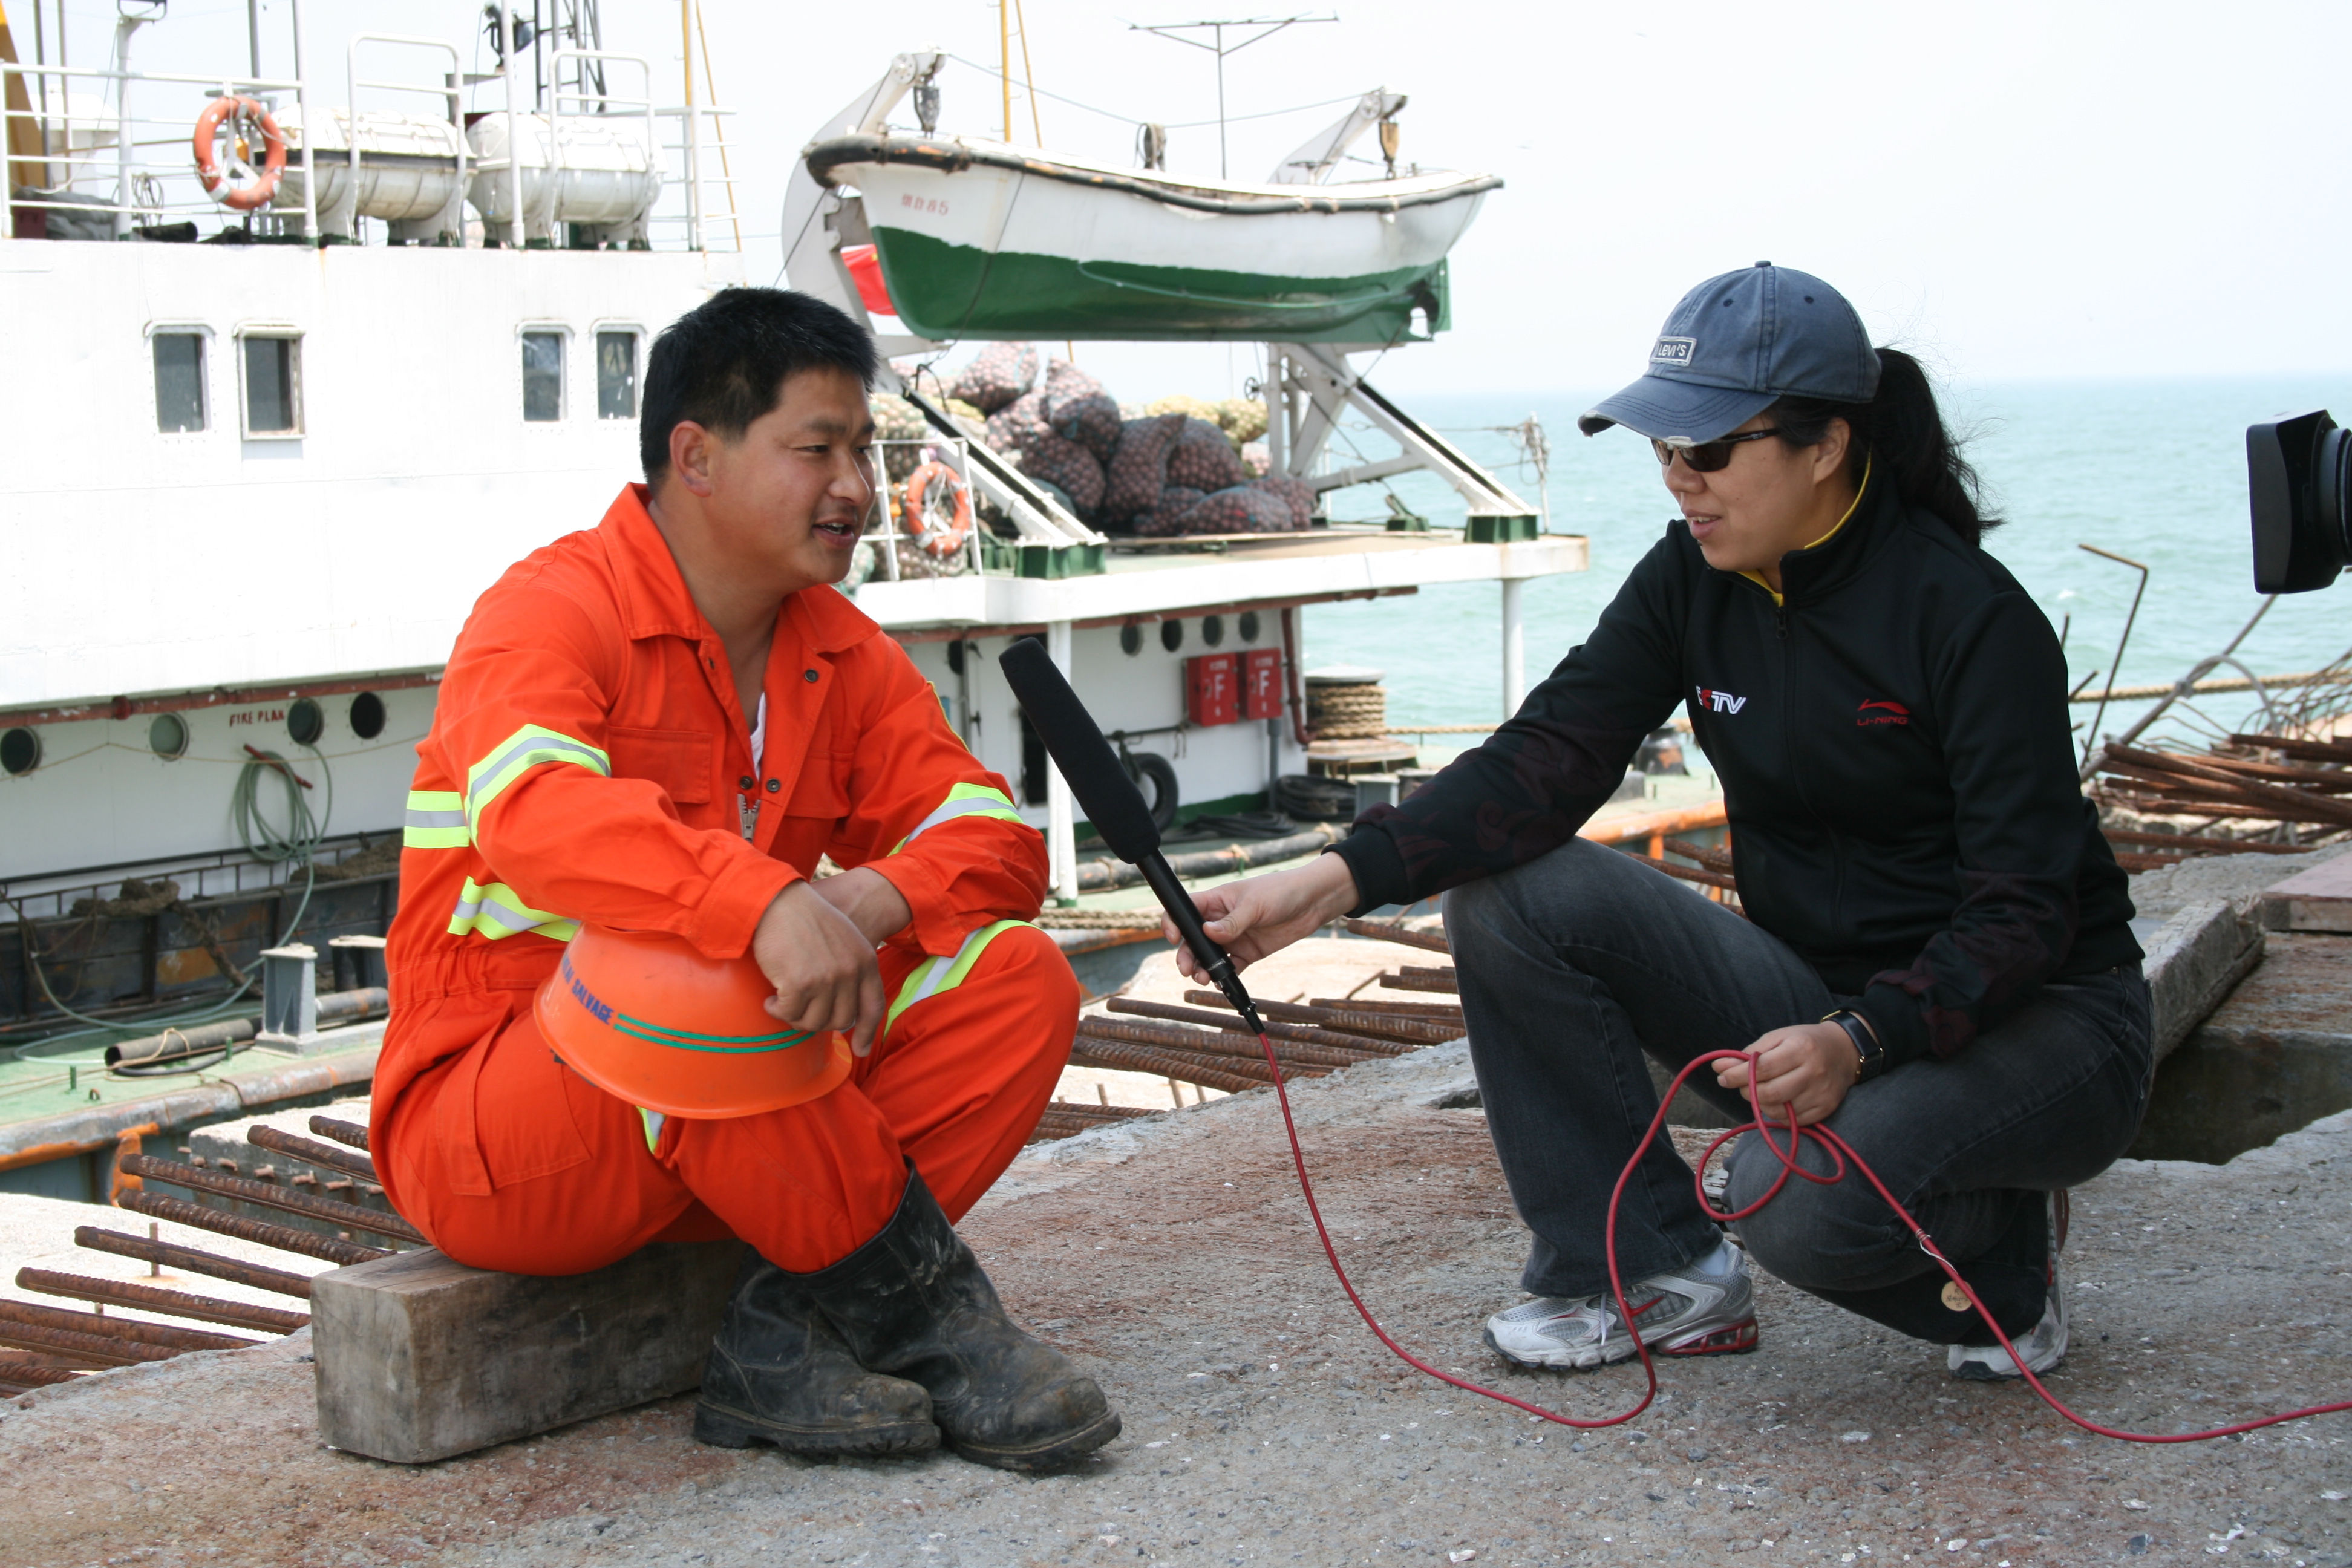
[1574, 965]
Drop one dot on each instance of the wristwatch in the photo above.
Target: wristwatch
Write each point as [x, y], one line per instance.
[1865, 1041]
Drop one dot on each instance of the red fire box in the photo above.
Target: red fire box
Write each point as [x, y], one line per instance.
[1261, 683]
[1213, 689]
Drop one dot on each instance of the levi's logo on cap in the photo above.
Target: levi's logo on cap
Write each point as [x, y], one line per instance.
[1674, 351]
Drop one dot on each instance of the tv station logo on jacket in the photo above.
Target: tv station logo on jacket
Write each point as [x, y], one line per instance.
[1719, 701]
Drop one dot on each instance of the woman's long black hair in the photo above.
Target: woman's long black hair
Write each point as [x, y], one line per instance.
[1900, 433]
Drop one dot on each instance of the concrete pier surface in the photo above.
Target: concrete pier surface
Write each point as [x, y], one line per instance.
[1173, 1258]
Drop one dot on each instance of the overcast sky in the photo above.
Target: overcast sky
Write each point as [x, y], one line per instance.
[2059, 190]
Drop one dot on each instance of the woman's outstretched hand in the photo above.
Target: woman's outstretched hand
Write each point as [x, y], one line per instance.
[1261, 915]
[1807, 1065]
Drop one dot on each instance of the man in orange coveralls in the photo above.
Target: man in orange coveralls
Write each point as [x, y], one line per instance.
[661, 723]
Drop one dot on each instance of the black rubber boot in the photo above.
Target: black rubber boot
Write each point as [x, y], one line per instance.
[913, 1302]
[778, 1374]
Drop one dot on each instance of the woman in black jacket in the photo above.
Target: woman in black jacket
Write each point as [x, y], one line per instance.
[1938, 958]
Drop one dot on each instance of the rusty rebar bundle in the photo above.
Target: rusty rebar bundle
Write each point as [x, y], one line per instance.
[1391, 1035]
[349, 1133]
[158, 1298]
[344, 1215]
[1705, 855]
[284, 1237]
[190, 1260]
[1358, 1046]
[1083, 1111]
[2172, 783]
[164, 1335]
[1381, 930]
[311, 1152]
[1223, 1048]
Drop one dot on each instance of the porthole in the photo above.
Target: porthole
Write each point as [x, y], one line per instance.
[305, 722]
[1212, 630]
[367, 715]
[1247, 625]
[20, 752]
[1171, 635]
[167, 736]
[1130, 639]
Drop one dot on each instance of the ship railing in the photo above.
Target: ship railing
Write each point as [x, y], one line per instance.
[147, 152]
[886, 521]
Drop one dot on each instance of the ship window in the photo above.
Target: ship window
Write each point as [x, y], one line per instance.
[167, 736]
[273, 385]
[617, 375]
[20, 752]
[542, 377]
[179, 381]
[367, 715]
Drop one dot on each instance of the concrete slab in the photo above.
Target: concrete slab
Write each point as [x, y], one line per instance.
[421, 1358]
[2193, 960]
[2233, 878]
[2318, 899]
[2275, 1056]
[1265, 1424]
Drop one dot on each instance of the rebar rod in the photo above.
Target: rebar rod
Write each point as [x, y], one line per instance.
[1412, 978]
[1235, 1047]
[1443, 1012]
[349, 1133]
[1386, 1031]
[91, 1348]
[261, 1232]
[25, 1376]
[311, 1152]
[189, 1259]
[1330, 1039]
[347, 1217]
[1381, 930]
[1162, 1064]
[157, 1298]
[131, 1329]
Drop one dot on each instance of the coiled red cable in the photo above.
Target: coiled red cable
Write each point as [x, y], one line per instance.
[1840, 1156]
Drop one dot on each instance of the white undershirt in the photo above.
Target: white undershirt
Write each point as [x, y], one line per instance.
[759, 732]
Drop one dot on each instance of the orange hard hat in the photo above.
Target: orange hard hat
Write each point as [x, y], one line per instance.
[645, 1018]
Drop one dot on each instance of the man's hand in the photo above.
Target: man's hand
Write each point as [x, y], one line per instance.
[1807, 1065]
[821, 966]
[1261, 915]
[873, 903]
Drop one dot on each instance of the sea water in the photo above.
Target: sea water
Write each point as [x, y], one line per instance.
[2152, 470]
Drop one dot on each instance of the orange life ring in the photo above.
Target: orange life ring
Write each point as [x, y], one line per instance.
[217, 180]
[942, 539]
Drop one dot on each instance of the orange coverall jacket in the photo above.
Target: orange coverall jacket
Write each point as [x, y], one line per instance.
[589, 761]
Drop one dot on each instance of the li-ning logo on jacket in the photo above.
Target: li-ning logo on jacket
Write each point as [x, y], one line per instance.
[1720, 701]
[1893, 712]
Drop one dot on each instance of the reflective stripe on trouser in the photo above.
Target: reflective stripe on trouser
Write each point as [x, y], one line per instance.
[964, 800]
[495, 911]
[518, 754]
[563, 1184]
[436, 820]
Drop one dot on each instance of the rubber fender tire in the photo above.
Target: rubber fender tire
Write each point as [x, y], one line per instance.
[1142, 765]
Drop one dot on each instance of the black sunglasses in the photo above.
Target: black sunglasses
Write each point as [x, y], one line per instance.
[1707, 457]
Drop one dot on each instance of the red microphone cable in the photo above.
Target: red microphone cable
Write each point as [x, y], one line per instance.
[1841, 1156]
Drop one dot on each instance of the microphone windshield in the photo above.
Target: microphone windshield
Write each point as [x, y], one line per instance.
[1107, 796]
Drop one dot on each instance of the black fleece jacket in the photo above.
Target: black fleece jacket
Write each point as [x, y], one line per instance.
[1892, 741]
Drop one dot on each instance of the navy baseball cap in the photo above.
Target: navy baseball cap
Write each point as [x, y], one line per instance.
[1735, 345]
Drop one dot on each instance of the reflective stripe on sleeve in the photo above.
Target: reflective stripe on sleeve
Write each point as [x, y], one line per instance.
[964, 800]
[436, 820]
[935, 976]
[491, 909]
[517, 754]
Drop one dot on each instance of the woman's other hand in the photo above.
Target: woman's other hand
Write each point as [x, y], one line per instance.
[1261, 915]
[1807, 1065]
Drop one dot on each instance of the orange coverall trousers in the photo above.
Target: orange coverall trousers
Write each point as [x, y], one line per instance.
[581, 1179]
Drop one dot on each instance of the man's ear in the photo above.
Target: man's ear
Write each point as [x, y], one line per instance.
[691, 448]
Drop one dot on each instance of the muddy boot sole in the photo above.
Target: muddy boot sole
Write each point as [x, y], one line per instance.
[722, 1426]
[1047, 1455]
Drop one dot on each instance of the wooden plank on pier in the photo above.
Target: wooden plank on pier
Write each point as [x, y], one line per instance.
[421, 1358]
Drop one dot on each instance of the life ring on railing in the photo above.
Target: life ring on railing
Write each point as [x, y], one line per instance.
[941, 521]
[241, 186]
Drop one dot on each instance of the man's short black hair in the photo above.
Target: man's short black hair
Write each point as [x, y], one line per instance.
[724, 363]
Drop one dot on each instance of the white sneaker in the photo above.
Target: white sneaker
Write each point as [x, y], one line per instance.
[1706, 1307]
[2044, 1346]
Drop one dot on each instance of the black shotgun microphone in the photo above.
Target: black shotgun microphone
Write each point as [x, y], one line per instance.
[1112, 803]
